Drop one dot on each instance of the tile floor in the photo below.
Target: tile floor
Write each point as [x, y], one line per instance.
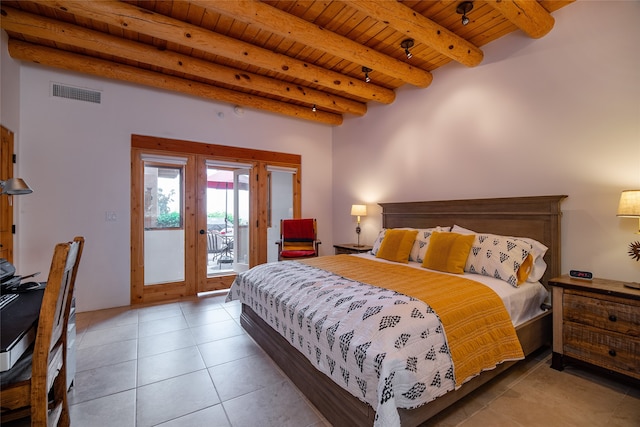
[191, 364]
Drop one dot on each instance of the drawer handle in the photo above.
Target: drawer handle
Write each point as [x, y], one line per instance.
[612, 353]
[613, 317]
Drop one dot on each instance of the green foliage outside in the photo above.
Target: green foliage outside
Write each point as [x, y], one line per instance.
[167, 219]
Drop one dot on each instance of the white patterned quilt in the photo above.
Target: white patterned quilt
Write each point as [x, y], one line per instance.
[385, 348]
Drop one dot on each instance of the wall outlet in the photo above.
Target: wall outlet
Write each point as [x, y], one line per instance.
[110, 216]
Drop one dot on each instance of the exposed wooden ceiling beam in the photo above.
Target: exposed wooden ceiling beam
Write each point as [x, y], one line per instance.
[128, 17]
[106, 69]
[36, 26]
[276, 21]
[423, 30]
[527, 15]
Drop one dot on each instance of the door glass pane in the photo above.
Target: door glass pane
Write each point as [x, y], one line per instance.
[163, 224]
[241, 220]
[281, 205]
[220, 216]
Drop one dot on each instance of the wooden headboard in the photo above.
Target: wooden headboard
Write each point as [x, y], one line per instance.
[534, 217]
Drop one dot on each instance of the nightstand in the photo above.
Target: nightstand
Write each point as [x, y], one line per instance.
[351, 248]
[597, 322]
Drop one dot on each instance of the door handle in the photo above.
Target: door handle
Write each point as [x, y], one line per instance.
[202, 231]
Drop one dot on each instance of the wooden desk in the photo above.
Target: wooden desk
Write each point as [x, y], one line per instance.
[18, 322]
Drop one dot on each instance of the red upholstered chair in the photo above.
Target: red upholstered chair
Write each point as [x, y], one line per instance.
[298, 239]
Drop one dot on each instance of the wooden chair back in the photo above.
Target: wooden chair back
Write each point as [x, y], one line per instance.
[40, 387]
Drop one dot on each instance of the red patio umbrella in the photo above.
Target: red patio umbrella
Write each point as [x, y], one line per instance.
[222, 179]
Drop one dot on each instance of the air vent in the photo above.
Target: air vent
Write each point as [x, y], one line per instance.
[77, 93]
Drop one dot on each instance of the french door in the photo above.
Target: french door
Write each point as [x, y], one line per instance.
[200, 214]
[227, 205]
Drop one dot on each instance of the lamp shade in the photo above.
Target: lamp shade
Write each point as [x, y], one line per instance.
[15, 186]
[359, 210]
[629, 203]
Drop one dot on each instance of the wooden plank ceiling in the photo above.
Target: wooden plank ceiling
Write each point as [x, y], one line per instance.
[303, 59]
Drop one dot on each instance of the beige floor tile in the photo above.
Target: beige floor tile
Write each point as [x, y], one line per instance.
[207, 302]
[148, 314]
[487, 417]
[112, 318]
[220, 330]
[278, 405]
[156, 344]
[457, 413]
[206, 317]
[161, 326]
[169, 364]
[107, 336]
[244, 376]
[213, 416]
[228, 349]
[104, 355]
[175, 397]
[558, 397]
[100, 382]
[234, 309]
[115, 410]
[628, 412]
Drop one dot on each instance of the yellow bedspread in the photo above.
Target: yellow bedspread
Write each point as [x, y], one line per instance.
[479, 331]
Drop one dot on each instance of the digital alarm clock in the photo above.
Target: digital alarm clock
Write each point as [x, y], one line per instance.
[577, 274]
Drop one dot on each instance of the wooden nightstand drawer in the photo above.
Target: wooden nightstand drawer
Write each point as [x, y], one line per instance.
[609, 350]
[612, 314]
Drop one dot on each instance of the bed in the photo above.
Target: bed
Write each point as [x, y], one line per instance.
[536, 218]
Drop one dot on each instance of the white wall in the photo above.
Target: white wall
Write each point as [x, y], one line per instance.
[76, 157]
[558, 115]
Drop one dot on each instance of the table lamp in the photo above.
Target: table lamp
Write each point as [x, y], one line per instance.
[629, 206]
[358, 210]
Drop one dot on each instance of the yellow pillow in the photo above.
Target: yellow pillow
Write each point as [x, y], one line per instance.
[525, 269]
[448, 252]
[396, 245]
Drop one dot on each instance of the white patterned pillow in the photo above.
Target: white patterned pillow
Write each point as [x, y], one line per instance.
[537, 252]
[421, 243]
[378, 242]
[498, 256]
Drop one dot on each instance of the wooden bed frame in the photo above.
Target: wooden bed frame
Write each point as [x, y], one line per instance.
[534, 217]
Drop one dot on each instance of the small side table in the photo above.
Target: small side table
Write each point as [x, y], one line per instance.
[597, 322]
[351, 248]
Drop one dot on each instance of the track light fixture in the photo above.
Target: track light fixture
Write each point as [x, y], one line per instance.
[406, 44]
[366, 72]
[314, 108]
[464, 8]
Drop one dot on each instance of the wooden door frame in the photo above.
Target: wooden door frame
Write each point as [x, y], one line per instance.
[6, 201]
[260, 159]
